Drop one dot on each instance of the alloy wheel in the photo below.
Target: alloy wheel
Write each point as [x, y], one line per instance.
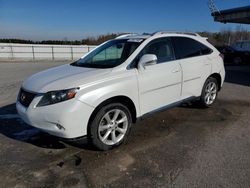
[210, 93]
[113, 127]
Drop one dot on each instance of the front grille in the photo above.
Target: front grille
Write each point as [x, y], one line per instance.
[25, 97]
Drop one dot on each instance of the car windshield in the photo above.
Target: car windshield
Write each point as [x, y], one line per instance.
[110, 54]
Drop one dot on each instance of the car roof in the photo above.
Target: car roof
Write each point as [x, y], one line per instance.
[133, 36]
[157, 34]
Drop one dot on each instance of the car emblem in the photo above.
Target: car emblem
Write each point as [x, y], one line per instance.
[23, 97]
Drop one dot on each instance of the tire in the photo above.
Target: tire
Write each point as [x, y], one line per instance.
[209, 93]
[105, 130]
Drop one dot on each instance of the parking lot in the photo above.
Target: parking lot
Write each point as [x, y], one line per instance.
[181, 147]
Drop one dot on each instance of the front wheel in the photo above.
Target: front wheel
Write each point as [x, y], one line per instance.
[209, 92]
[110, 126]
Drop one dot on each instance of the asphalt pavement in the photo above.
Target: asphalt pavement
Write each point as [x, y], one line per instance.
[181, 147]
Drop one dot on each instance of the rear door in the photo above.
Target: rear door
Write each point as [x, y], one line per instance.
[195, 63]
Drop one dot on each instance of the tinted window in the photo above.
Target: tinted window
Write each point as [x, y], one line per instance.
[162, 48]
[187, 47]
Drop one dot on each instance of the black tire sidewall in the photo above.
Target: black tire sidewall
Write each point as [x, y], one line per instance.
[93, 133]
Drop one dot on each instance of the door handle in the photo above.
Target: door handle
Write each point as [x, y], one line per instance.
[175, 70]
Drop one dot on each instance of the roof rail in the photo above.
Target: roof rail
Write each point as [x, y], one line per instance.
[176, 32]
[126, 35]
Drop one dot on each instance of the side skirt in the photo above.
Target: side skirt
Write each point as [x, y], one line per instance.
[169, 106]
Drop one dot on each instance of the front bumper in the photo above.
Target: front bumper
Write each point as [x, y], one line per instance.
[68, 119]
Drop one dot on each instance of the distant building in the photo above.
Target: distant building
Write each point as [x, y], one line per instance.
[236, 15]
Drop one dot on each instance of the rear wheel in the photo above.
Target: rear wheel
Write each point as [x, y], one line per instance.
[110, 126]
[209, 92]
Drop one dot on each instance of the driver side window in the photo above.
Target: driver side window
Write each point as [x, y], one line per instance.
[162, 48]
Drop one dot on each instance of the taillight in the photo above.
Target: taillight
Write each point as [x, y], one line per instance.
[222, 56]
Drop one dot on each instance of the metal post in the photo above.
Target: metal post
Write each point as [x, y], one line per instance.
[53, 57]
[12, 53]
[88, 48]
[72, 56]
[33, 52]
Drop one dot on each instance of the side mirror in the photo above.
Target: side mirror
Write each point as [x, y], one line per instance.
[147, 60]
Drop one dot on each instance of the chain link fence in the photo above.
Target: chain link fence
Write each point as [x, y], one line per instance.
[42, 52]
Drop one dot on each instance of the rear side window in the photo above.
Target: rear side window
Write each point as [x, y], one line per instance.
[187, 47]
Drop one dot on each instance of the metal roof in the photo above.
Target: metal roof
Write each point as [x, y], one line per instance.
[235, 15]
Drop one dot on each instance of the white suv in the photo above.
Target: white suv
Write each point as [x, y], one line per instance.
[101, 94]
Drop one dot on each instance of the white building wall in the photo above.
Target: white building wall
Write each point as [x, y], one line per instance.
[10, 51]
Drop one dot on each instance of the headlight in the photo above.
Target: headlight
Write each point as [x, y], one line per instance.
[53, 97]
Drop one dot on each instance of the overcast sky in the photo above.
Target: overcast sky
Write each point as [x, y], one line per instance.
[76, 19]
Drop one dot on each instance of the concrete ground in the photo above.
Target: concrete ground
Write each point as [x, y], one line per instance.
[181, 147]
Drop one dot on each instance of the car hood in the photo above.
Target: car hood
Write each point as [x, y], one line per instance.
[62, 77]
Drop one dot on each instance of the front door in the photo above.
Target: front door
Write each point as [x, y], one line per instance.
[159, 84]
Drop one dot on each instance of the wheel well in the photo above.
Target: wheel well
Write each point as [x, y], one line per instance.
[120, 99]
[218, 78]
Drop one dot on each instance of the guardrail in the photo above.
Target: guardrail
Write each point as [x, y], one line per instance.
[42, 52]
